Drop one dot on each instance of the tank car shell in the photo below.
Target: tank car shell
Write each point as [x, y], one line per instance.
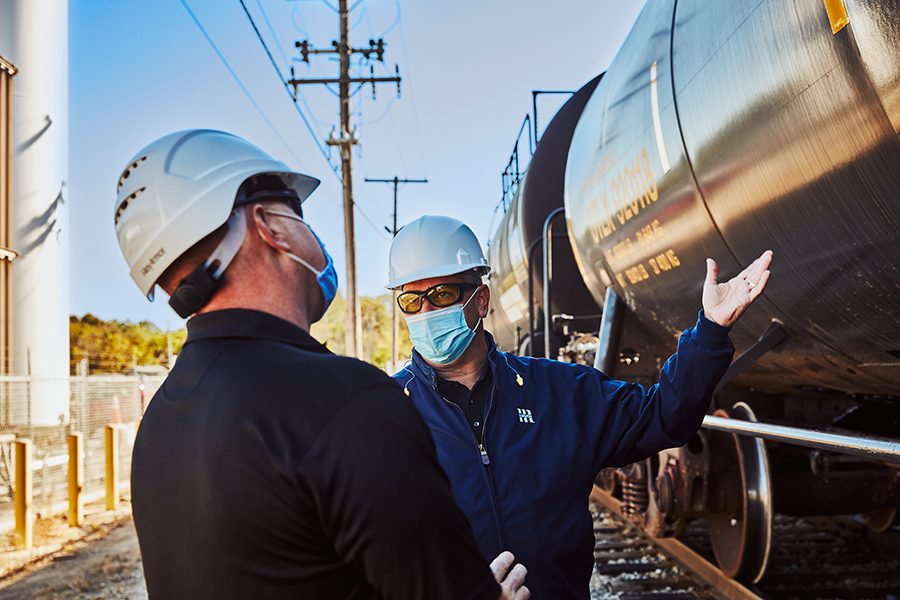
[724, 129]
[539, 194]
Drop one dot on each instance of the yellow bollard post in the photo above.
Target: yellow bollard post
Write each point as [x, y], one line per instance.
[112, 467]
[76, 478]
[24, 511]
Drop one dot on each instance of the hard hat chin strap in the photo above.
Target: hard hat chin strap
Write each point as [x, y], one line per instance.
[198, 288]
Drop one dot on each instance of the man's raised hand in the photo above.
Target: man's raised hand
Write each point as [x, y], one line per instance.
[724, 303]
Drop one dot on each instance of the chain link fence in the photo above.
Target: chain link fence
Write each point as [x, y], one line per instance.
[46, 411]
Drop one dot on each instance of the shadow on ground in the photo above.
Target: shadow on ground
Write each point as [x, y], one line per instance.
[109, 568]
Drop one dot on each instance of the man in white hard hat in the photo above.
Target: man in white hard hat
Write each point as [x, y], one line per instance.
[265, 466]
[522, 439]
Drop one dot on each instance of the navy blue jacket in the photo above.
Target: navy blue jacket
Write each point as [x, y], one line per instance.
[549, 427]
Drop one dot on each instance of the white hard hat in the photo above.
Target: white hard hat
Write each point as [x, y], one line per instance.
[181, 188]
[433, 246]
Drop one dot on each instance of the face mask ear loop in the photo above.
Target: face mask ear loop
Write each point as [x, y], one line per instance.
[479, 316]
[299, 260]
[291, 255]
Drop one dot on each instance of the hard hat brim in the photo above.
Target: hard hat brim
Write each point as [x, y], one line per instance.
[436, 271]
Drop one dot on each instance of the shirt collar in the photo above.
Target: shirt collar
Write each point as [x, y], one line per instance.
[428, 372]
[485, 378]
[250, 324]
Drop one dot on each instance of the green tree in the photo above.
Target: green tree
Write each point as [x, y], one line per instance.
[376, 326]
[331, 329]
[117, 346]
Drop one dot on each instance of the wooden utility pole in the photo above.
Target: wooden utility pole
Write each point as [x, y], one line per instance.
[345, 141]
[395, 323]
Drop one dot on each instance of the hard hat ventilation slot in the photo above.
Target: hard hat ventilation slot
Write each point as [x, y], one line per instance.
[121, 209]
[128, 171]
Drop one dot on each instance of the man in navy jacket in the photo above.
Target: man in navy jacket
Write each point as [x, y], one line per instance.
[522, 439]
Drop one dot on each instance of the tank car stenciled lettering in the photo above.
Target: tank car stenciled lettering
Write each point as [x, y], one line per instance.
[721, 129]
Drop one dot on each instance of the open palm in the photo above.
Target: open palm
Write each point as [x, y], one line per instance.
[724, 303]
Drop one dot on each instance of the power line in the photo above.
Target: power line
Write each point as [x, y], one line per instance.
[396, 22]
[271, 29]
[238, 80]
[287, 62]
[325, 2]
[380, 117]
[261, 40]
[300, 27]
[396, 181]
[287, 89]
[345, 141]
[412, 94]
[380, 231]
[262, 11]
[365, 12]
[387, 112]
[259, 109]
[362, 213]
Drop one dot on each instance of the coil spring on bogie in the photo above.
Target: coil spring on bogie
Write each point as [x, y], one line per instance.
[635, 497]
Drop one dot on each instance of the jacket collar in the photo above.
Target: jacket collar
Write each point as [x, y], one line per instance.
[427, 373]
[250, 324]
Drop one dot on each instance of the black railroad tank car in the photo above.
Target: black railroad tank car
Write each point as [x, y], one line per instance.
[516, 247]
[722, 129]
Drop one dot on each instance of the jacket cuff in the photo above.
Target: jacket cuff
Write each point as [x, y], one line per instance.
[708, 334]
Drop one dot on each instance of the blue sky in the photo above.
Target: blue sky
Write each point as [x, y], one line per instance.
[139, 70]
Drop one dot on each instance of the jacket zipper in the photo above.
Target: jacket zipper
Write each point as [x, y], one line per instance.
[485, 459]
[484, 455]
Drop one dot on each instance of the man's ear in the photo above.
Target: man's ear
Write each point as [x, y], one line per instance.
[484, 300]
[267, 229]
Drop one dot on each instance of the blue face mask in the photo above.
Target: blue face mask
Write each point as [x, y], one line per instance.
[327, 277]
[441, 336]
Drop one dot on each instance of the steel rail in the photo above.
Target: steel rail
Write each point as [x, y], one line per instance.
[867, 447]
[723, 587]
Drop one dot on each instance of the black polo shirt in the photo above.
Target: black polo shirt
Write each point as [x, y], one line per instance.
[267, 467]
[472, 402]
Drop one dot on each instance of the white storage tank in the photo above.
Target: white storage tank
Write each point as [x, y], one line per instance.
[34, 37]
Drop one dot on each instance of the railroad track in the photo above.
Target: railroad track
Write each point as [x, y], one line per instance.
[811, 558]
[628, 566]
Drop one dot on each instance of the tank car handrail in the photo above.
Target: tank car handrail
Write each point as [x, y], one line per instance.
[512, 173]
[868, 447]
[534, 106]
[535, 244]
[548, 256]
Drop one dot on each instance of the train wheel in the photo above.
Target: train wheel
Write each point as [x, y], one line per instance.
[740, 517]
[879, 521]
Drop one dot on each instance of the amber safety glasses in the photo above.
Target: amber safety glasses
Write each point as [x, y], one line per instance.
[440, 296]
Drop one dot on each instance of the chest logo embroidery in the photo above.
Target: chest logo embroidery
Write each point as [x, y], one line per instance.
[525, 415]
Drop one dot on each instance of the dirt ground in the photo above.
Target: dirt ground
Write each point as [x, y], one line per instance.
[105, 564]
